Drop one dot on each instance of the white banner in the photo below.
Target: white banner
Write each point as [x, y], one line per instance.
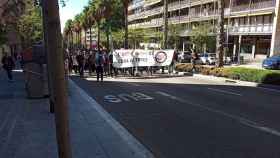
[125, 58]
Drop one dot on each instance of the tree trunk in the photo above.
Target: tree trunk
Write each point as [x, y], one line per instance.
[126, 26]
[58, 81]
[90, 37]
[72, 41]
[85, 38]
[108, 38]
[165, 24]
[98, 36]
[45, 21]
[80, 38]
[220, 35]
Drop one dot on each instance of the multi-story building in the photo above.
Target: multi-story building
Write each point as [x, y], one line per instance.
[88, 33]
[252, 26]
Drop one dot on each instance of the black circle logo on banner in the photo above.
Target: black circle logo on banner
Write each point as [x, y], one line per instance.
[160, 57]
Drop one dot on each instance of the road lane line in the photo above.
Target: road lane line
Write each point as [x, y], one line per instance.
[136, 148]
[133, 84]
[239, 119]
[269, 89]
[224, 91]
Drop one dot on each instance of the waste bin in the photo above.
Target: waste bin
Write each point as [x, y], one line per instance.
[35, 71]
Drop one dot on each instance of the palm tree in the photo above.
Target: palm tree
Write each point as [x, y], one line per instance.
[68, 32]
[85, 23]
[57, 75]
[125, 7]
[220, 34]
[165, 23]
[78, 29]
[100, 9]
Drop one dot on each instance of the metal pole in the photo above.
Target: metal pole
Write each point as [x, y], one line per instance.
[58, 81]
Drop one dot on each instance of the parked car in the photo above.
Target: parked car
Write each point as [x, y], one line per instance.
[208, 58]
[272, 62]
[185, 57]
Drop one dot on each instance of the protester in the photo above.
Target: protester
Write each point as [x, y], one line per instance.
[111, 69]
[99, 62]
[81, 63]
[194, 59]
[91, 62]
[75, 63]
[173, 63]
[8, 65]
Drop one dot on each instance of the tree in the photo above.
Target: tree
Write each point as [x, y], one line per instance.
[2, 34]
[165, 23]
[57, 75]
[78, 30]
[125, 9]
[220, 34]
[174, 35]
[200, 37]
[85, 23]
[68, 33]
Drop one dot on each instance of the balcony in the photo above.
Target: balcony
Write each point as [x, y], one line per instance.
[136, 5]
[137, 16]
[154, 11]
[151, 2]
[254, 6]
[251, 29]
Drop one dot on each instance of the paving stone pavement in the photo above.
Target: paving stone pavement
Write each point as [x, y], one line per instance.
[27, 129]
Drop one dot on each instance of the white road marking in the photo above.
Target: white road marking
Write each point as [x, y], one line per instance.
[136, 148]
[135, 96]
[239, 119]
[269, 89]
[133, 84]
[224, 91]
[7, 118]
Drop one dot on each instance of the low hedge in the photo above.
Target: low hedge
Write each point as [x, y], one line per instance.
[243, 74]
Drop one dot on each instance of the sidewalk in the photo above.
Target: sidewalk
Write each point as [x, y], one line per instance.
[27, 129]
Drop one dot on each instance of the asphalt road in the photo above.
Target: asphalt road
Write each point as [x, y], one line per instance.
[191, 118]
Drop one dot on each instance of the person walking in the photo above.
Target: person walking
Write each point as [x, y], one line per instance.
[81, 63]
[91, 63]
[99, 62]
[75, 64]
[194, 59]
[111, 69]
[8, 66]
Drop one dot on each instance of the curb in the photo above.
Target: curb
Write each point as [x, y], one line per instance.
[138, 149]
[238, 82]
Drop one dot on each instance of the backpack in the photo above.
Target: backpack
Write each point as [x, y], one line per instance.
[100, 60]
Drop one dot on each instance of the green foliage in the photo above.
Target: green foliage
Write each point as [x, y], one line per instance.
[104, 14]
[254, 75]
[118, 37]
[174, 32]
[2, 34]
[30, 26]
[237, 73]
[200, 36]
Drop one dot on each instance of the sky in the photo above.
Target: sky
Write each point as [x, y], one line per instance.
[72, 8]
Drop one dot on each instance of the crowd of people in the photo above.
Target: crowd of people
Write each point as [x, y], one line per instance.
[92, 61]
[100, 63]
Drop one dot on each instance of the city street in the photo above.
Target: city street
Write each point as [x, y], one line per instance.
[186, 117]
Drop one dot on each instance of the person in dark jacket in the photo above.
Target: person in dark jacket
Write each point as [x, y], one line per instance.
[99, 62]
[81, 63]
[8, 65]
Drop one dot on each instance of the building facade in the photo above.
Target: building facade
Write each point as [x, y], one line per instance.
[89, 34]
[251, 26]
